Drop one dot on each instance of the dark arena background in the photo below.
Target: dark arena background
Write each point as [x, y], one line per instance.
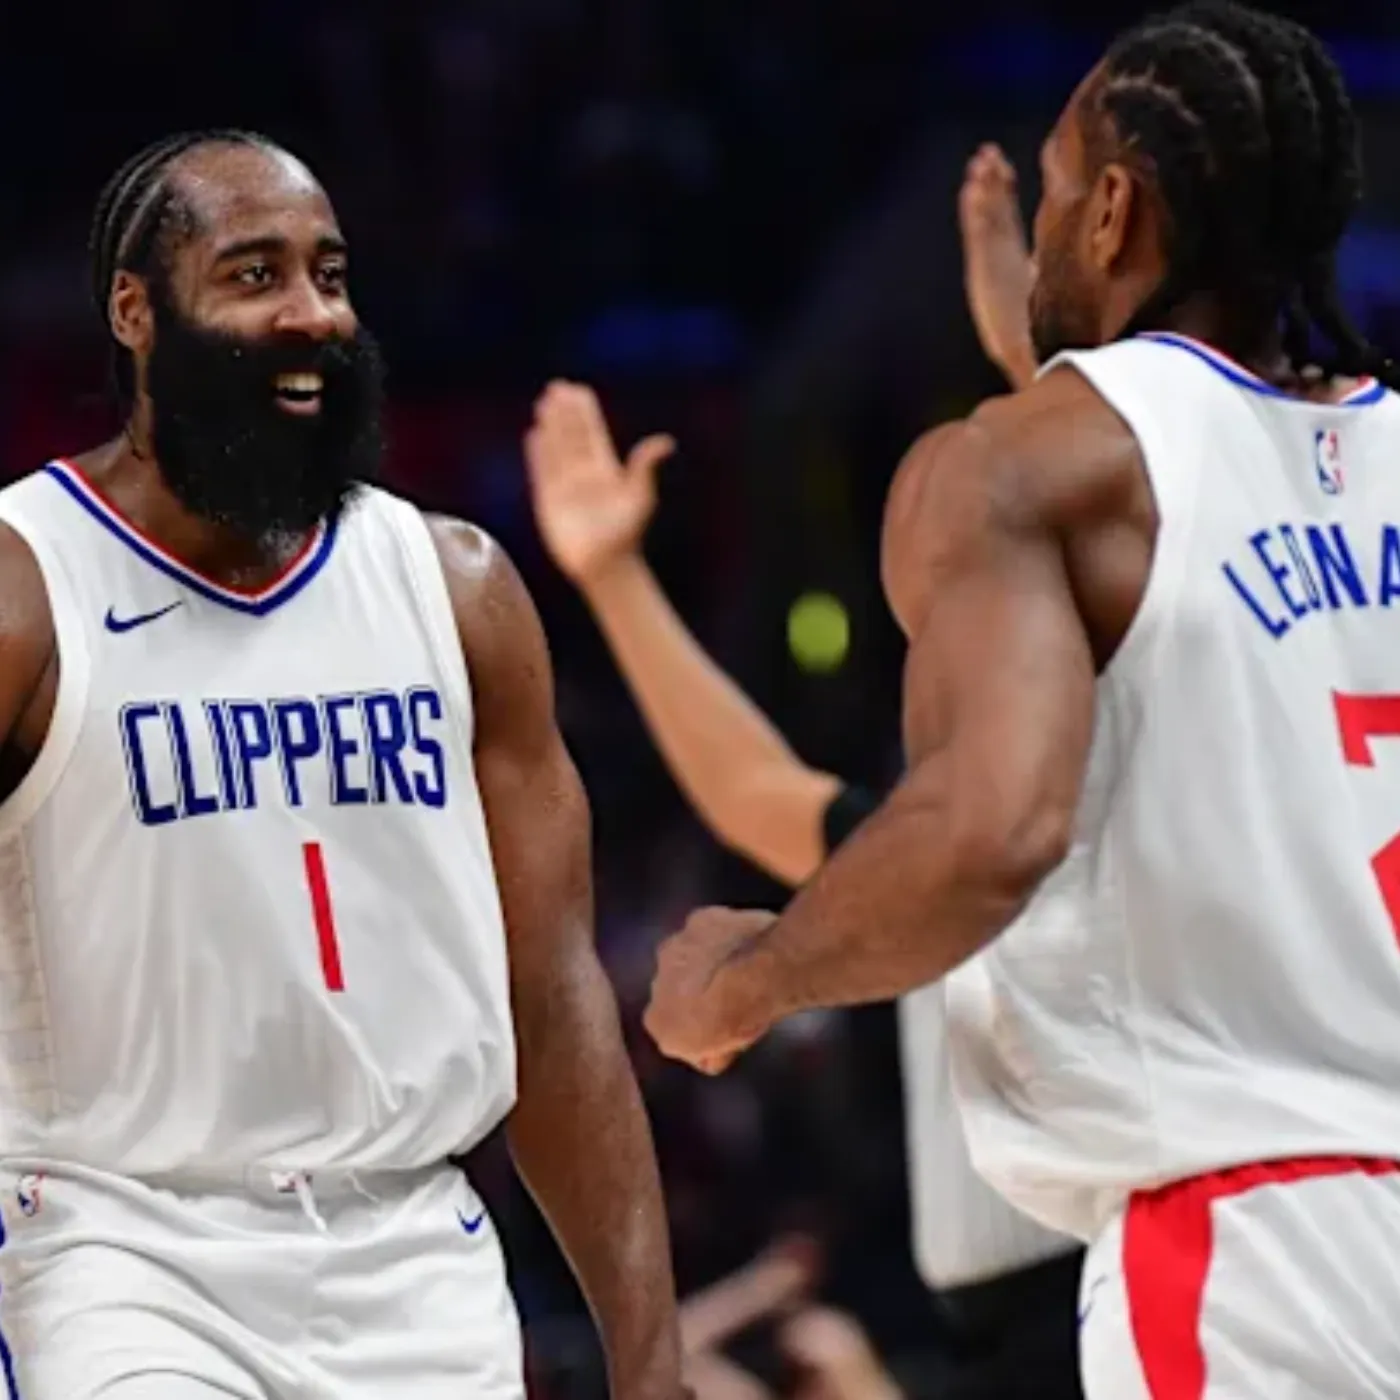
[737, 220]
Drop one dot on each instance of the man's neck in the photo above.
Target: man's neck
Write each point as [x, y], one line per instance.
[1199, 318]
[129, 476]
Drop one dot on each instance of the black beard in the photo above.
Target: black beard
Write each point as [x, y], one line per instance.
[232, 456]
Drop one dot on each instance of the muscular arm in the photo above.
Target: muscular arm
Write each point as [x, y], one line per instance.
[998, 708]
[741, 777]
[579, 1134]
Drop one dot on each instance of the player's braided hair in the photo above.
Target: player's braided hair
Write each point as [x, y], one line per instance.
[137, 221]
[1246, 126]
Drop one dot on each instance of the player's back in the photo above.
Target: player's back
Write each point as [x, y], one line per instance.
[1213, 975]
[248, 913]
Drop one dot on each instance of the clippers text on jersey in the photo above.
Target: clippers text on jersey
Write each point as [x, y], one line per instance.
[194, 759]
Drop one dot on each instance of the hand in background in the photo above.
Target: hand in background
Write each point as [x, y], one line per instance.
[592, 509]
[835, 1358]
[997, 269]
[777, 1280]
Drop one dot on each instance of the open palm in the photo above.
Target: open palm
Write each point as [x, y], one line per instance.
[591, 508]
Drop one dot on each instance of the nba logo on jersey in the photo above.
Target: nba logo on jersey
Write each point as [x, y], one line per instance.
[1327, 452]
[29, 1194]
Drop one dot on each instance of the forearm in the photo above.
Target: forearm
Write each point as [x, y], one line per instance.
[580, 1139]
[578, 1132]
[998, 715]
[900, 904]
[734, 766]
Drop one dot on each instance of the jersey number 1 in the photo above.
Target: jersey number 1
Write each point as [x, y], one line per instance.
[323, 914]
[1362, 718]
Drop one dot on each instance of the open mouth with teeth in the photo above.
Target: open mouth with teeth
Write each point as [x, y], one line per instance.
[298, 393]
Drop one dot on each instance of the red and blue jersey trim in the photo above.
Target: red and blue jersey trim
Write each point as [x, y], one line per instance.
[1367, 391]
[256, 602]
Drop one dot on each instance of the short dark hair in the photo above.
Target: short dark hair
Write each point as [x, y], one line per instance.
[1246, 126]
[138, 222]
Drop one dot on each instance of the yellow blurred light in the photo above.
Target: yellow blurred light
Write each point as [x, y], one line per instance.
[818, 632]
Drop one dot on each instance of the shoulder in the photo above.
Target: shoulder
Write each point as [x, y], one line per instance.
[1031, 466]
[1021, 451]
[467, 552]
[24, 599]
[27, 636]
[482, 580]
[38, 540]
[499, 627]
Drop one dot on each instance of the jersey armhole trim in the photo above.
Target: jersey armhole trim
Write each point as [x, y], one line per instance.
[434, 602]
[74, 676]
[1174, 497]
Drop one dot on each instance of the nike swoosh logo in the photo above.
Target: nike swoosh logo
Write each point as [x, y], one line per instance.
[474, 1224]
[125, 624]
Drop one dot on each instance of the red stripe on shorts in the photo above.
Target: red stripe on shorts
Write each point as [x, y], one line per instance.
[1167, 1239]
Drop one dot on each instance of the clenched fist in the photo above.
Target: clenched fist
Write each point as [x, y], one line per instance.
[699, 1011]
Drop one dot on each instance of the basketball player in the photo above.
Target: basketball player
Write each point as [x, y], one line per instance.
[1150, 809]
[294, 869]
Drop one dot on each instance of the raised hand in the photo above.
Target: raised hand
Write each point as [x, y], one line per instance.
[997, 267]
[591, 508]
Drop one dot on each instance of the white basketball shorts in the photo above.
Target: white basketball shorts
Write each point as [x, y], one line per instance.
[298, 1288]
[1277, 1281]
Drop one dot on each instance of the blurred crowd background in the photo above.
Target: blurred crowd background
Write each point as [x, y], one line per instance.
[736, 218]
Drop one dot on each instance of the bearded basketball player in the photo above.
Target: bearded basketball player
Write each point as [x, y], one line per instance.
[294, 868]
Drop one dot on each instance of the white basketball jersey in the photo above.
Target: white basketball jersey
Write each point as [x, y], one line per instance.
[963, 1231]
[248, 915]
[1213, 975]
